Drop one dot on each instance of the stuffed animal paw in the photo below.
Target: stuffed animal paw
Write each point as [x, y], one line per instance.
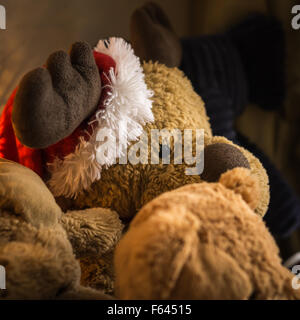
[94, 234]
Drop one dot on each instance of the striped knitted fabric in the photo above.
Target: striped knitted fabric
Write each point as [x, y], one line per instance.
[214, 68]
[221, 71]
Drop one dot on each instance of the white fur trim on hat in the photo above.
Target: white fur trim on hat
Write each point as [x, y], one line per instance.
[128, 107]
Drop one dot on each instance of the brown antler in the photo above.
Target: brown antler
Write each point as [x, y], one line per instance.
[51, 102]
[152, 36]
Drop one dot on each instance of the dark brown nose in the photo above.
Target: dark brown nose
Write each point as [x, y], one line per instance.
[51, 102]
[219, 158]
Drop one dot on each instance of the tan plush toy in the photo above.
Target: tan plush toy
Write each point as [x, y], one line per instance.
[59, 112]
[202, 241]
[38, 258]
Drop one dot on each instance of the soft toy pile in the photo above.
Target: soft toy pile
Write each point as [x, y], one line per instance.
[192, 236]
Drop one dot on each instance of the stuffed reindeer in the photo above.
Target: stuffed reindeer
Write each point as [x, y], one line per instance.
[53, 124]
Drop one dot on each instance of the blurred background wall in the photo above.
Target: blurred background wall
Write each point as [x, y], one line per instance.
[35, 28]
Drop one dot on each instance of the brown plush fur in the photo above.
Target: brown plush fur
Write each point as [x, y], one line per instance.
[126, 188]
[34, 247]
[123, 190]
[202, 241]
[191, 239]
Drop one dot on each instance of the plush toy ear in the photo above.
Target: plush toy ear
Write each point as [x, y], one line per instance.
[242, 182]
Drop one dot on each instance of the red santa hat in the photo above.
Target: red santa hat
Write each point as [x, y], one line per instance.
[75, 162]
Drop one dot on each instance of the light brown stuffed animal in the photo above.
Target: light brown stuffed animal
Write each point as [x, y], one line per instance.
[35, 251]
[202, 241]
